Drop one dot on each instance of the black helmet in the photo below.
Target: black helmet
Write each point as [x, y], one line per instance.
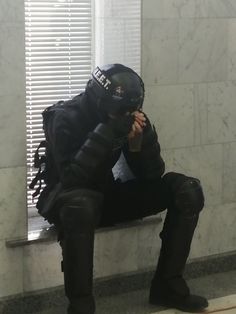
[116, 89]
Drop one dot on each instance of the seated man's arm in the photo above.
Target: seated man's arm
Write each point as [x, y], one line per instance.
[148, 163]
[77, 162]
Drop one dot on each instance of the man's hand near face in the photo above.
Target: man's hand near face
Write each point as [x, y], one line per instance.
[138, 125]
[136, 135]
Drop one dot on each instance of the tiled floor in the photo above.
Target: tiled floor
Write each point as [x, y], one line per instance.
[224, 305]
[220, 288]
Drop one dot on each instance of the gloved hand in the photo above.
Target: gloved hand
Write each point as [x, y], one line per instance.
[121, 125]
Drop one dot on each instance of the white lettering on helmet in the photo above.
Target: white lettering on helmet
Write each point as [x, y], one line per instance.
[108, 82]
[101, 78]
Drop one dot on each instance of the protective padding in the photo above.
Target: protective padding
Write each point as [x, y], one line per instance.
[116, 89]
[187, 193]
[81, 213]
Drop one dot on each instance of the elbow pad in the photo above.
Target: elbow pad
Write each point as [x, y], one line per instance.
[96, 149]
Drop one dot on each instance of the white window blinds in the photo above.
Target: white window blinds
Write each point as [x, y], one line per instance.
[58, 36]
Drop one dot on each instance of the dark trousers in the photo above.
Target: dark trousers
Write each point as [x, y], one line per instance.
[133, 200]
[80, 216]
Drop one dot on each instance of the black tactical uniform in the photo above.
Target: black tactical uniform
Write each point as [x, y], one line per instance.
[86, 144]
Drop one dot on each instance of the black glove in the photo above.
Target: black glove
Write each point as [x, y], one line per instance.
[121, 125]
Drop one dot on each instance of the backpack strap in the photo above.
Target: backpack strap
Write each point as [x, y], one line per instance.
[42, 162]
[37, 178]
[38, 162]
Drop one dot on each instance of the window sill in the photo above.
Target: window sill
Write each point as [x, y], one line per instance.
[40, 231]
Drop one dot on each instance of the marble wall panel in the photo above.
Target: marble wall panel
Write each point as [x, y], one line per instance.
[12, 56]
[203, 162]
[159, 51]
[126, 9]
[179, 113]
[110, 41]
[116, 252]
[118, 9]
[221, 8]
[153, 9]
[215, 232]
[11, 270]
[232, 49]
[118, 41]
[175, 8]
[118, 33]
[149, 244]
[12, 202]
[42, 266]
[200, 113]
[12, 11]
[12, 131]
[171, 109]
[202, 50]
[132, 39]
[218, 125]
[99, 41]
[229, 173]
[103, 8]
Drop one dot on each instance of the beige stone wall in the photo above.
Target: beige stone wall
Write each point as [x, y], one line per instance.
[188, 65]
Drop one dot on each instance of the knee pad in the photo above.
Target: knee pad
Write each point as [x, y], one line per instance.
[81, 213]
[187, 193]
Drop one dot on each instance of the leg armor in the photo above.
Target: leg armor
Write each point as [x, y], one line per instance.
[168, 285]
[187, 201]
[78, 218]
[186, 193]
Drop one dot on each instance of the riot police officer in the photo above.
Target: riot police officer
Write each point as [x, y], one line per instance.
[88, 135]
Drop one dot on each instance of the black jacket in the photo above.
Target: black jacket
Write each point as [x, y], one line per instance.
[85, 148]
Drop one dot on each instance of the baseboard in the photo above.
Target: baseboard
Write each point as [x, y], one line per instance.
[44, 299]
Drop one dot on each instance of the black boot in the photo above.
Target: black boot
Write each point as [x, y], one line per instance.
[168, 288]
[81, 306]
[174, 293]
[78, 273]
